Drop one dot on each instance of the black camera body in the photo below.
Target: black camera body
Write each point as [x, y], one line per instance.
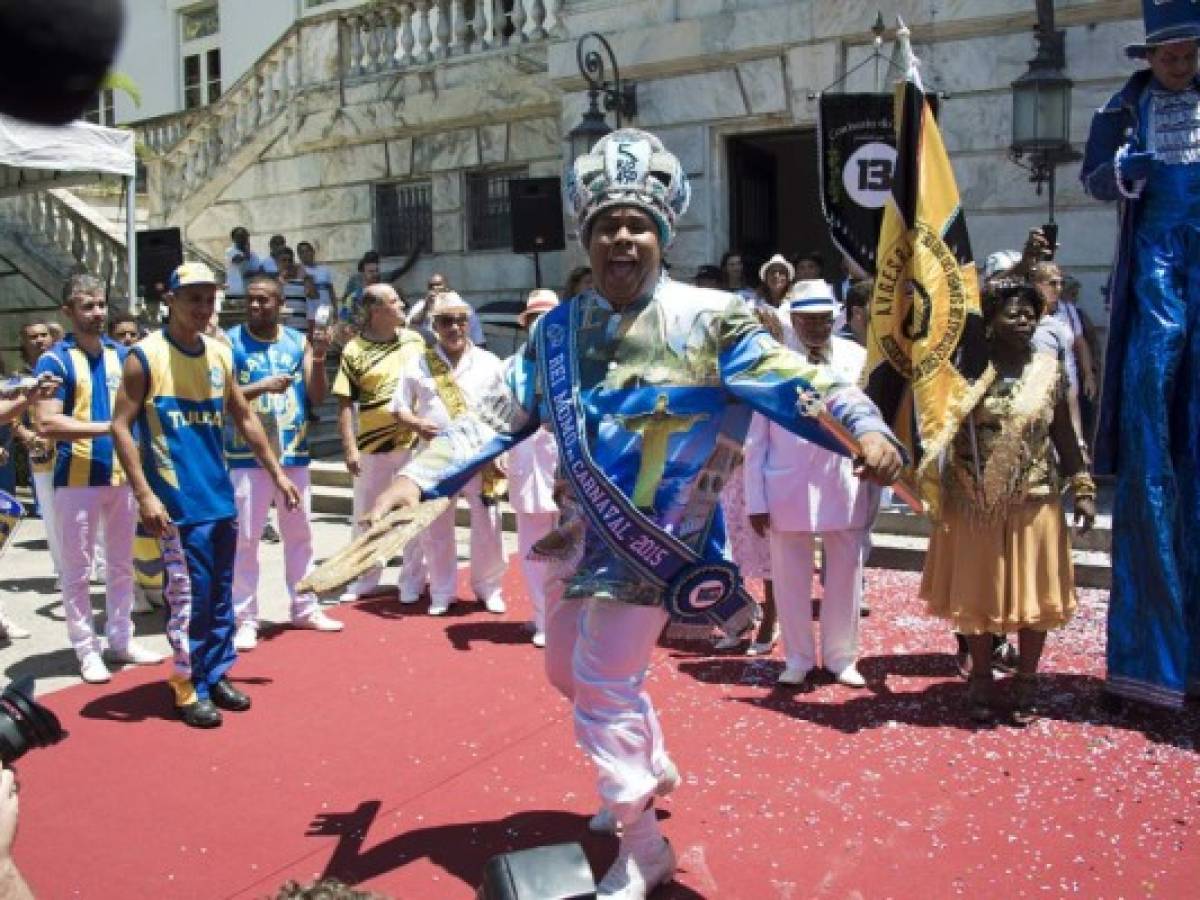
[24, 723]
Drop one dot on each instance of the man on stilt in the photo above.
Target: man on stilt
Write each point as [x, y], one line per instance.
[1144, 151]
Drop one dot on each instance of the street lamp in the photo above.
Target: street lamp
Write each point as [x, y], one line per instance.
[1042, 111]
[619, 97]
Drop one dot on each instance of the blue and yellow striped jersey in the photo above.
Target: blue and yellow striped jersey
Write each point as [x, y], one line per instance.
[284, 415]
[181, 425]
[89, 386]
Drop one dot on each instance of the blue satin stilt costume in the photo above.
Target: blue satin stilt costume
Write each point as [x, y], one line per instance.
[1150, 423]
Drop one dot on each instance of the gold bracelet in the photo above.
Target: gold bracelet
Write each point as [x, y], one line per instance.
[1082, 486]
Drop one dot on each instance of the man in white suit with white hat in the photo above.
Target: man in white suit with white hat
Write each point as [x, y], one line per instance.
[798, 492]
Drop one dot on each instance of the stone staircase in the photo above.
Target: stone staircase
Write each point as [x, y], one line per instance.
[899, 539]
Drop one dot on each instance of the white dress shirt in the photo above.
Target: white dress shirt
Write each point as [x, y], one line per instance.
[805, 487]
[416, 391]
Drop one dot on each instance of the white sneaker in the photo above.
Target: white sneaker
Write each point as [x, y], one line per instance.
[539, 639]
[409, 599]
[318, 621]
[348, 597]
[246, 637]
[793, 676]
[603, 822]
[494, 603]
[134, 654]
[851, 677]
[632, 878]
[439, 607]
[11, 630]
[92, 669]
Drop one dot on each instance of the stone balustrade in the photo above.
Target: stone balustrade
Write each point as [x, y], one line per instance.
[386, 37]
[58, 218]
[395, 36]
[221, 129]
[161, 134]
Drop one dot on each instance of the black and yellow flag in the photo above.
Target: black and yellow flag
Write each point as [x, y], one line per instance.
[925, 345]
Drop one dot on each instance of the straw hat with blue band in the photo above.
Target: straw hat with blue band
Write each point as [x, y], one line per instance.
[811, 297]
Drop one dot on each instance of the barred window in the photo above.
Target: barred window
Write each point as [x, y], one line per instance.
[403, 217]
[489, 226]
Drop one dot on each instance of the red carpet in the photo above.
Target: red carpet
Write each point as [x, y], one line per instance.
[404, 752]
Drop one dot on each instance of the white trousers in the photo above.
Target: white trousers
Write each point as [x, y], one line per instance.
[80, 512]
[792, 566]
[487, 549]
[378, 471]
[597, 655]
[255, 494]
[43, 484]
[531, 528]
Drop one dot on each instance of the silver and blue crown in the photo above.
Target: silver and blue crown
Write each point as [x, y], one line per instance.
[628, 168]
[1166, 21]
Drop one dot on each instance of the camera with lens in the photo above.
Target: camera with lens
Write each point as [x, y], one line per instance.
[24, 723]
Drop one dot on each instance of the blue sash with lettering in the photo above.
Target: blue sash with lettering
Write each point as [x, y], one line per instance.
[694, 589]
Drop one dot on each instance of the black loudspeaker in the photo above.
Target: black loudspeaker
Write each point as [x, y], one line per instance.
[159, 253]
[557, 872]
[535, 210]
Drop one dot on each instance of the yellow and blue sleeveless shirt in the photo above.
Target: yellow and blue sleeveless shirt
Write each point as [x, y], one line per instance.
[181, 427]
[283, 415]
[89, 387]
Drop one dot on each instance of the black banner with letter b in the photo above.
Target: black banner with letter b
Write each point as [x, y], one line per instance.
[857, 161]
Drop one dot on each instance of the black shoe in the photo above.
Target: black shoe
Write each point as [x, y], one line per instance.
[269, 534]
[201, 714]
[1112, 704]
[226, 696]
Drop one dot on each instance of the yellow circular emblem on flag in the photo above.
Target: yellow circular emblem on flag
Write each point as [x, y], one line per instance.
[921, 299]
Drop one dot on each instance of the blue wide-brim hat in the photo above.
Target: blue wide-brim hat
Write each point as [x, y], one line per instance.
[1167, 21]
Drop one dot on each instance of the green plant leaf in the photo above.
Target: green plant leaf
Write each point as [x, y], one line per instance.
[119, 81]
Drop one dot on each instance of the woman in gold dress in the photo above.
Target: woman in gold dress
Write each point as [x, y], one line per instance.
[999, 560]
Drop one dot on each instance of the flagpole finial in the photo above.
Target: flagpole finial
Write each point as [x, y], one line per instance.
[878, 28]
[904, 55]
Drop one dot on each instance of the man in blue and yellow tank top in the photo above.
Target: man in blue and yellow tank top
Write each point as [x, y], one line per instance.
[280, 372]
[89, 487]
[178, 387]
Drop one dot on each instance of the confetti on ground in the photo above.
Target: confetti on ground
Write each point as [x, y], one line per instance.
[404, 752]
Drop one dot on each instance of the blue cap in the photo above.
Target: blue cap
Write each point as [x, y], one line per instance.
[191, 273]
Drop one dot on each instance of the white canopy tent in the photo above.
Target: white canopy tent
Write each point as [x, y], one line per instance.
[39, 157]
